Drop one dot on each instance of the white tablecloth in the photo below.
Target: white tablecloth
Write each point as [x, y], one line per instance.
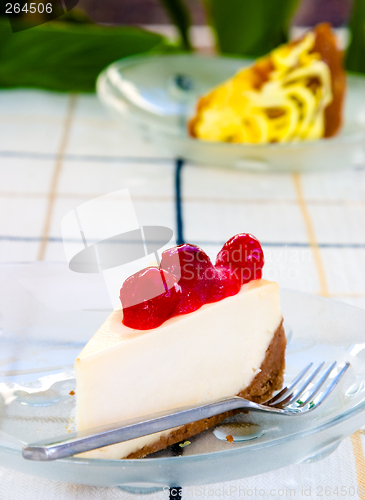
[58, 151]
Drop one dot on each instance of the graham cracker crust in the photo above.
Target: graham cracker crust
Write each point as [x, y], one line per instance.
[268, 380]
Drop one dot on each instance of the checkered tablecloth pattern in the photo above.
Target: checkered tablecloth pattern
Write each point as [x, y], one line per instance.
[58, 151]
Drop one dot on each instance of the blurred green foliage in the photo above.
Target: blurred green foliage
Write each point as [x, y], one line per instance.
[355, 57]
[250, 28]
[180, 16]
[68, 56]
[242, 27]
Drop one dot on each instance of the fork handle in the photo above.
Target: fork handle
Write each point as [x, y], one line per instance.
[79, 442]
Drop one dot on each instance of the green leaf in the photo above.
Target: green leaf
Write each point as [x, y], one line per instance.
[68, 56]
[355, 60]
[250, 28]
[180, 16]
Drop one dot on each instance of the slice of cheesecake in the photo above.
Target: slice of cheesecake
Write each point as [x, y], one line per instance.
[226, 347]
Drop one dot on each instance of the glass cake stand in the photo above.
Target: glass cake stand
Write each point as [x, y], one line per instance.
[48, 313]
[156, 95]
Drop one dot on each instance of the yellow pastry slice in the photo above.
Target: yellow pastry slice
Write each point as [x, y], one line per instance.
[295, 93]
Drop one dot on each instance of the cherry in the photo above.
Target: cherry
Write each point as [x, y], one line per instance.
[223, 285]
[243, 256]
[186, 262]
[148, 298]
[193, 267]
[190, 301]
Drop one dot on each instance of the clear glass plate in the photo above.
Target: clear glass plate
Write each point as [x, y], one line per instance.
[157, 95]
[48, 313]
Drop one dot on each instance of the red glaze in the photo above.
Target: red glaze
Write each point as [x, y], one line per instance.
[189, 262]
[224, 285]
[244, 257]
[194, 269]
[144, 306]
[147, 306]
[191, 300]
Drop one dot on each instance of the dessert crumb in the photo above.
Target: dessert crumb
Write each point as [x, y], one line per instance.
[229, 438]
[72, 393]
[185, 443]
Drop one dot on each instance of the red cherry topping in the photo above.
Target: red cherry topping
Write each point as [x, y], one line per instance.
[190, 301]
[152, 296]
[243, 256]
[224, 285]
[187, 262]
[149, 298]
[195, 271]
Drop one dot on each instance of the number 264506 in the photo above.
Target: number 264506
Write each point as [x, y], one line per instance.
[31, 7]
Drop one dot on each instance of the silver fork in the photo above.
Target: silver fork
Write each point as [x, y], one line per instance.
[286, 402]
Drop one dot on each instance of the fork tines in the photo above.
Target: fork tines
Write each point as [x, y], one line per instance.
[289, 396]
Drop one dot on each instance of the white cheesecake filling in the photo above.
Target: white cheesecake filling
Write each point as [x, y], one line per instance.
[213, 352]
